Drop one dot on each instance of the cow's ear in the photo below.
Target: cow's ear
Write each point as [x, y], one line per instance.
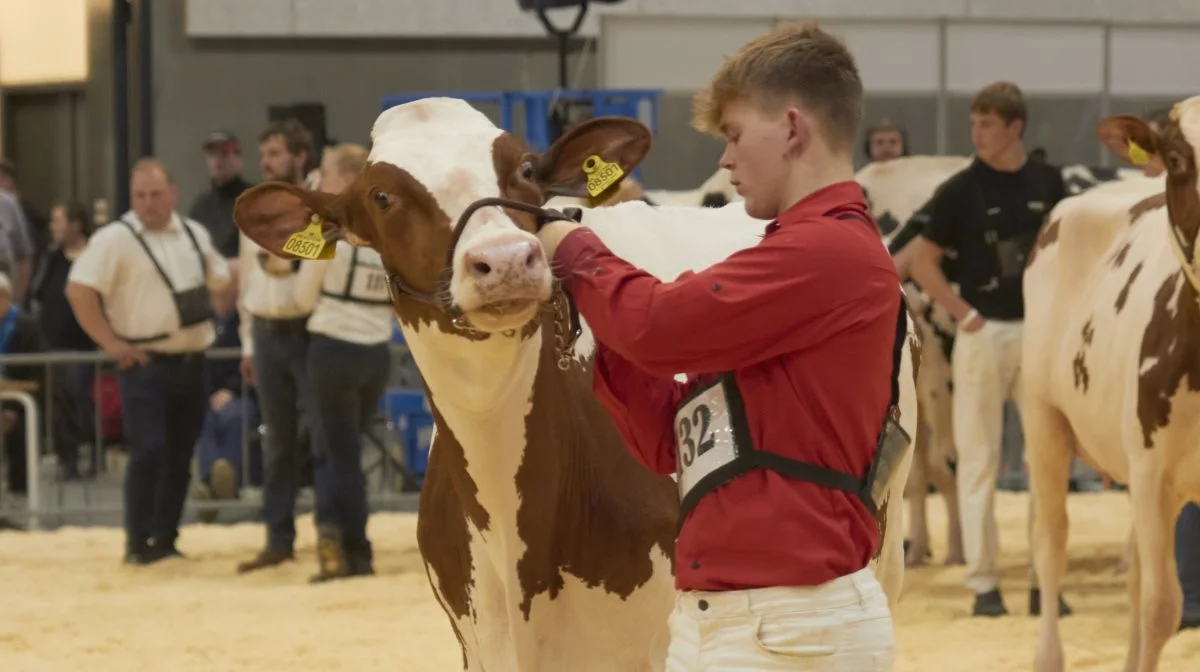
[591, 159]
[1129, 138]
[274, 213]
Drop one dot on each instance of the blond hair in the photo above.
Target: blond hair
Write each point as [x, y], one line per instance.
[795, 62]
[149, 164]
[348, 158]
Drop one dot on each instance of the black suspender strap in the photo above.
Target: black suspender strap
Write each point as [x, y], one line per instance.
[157, 266]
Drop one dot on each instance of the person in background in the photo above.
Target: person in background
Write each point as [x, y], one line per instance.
[70, 228]
[153, 271]
[214, 208]
[275, 338]
[990, 212]
[348, 366]
[17, 250]
[885, 140]
[1187, 526]
[19, 334]
[219, 451]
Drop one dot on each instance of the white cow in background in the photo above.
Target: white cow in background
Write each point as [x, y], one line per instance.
[1111, 367]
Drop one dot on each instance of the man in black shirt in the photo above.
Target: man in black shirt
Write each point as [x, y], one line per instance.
[214, 208]
[989, 215]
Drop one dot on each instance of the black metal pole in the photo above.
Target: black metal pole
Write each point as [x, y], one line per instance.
[120, 60]
[563, 36]
[145, 77]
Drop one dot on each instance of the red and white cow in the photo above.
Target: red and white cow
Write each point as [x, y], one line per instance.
[548, 547]
[1111, 368]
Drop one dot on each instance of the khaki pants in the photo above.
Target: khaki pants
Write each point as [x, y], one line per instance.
[987, 372]
[843, 625]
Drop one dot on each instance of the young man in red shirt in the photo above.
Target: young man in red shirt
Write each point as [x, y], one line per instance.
[790, 347]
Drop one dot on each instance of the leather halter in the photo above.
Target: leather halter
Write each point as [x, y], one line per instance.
[567, 327]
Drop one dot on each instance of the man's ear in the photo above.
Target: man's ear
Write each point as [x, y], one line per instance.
[1129, 137]
[271, 213]
[565, 168]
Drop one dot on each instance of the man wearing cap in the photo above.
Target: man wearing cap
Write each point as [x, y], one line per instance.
[214, 208]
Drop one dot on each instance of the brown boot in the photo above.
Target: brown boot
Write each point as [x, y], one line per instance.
[331, 555]
[267, 558]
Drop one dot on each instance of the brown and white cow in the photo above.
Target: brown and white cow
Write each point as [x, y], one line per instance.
[1111, 368]
[548, 547]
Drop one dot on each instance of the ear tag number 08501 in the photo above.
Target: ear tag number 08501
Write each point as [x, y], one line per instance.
[601, 175]
[310, 243]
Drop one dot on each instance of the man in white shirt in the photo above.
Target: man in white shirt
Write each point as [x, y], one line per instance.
[348, 366]
[275, 351]
[141, 291]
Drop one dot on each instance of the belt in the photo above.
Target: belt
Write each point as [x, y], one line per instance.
[175, 356]
[282, 323]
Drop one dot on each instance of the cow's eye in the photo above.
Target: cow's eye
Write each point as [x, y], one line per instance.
[527, 170]
[382, 199]
[1175, 162]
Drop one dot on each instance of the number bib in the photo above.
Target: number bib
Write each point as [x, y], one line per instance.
[704, 436]
[369, 283]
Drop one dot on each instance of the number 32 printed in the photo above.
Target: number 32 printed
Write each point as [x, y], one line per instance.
[691, 448]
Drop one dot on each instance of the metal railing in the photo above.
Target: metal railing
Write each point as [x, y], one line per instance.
[37, 435]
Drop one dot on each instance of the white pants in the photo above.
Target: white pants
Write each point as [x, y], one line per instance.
[987, 372]
[843, 625]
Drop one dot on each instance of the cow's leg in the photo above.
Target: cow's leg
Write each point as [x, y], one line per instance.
[1135, 612]
[1155, 508]
[1049, 445]
[916, 491]
[1127, 557]
[944, 480]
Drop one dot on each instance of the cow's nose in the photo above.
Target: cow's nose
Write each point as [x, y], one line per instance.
[500, 260]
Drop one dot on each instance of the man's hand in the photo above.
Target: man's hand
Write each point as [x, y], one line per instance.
[247, 369]
[220, 399]
[126, 354]
[972, 322]
[553, 233]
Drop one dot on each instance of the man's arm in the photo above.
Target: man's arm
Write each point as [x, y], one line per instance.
[937, 220]
[85, 303]
[798, 287]
[641, 406]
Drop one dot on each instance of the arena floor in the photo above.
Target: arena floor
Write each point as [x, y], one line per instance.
[66, 603]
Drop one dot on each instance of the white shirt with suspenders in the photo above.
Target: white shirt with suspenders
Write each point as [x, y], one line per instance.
[351, 294]
[154, 285]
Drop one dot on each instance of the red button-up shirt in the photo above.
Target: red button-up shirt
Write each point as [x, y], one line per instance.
[806, 320]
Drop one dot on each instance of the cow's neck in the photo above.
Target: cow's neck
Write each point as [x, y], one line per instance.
[482, 390]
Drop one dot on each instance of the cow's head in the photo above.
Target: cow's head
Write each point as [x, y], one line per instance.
[430, 161]
[1176, 145]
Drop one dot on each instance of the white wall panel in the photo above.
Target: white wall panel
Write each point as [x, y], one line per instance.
[896, 9]
[232, 18]
[673, 53]
[1040, 59]
[1155, 62]
[893, 57]
[43, 42]
[433, 18]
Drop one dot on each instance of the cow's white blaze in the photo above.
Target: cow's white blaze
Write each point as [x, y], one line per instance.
[448, 146]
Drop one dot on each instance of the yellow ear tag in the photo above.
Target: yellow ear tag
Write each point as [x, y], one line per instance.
[310, 243]
[1137, 155]
[601, 175]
